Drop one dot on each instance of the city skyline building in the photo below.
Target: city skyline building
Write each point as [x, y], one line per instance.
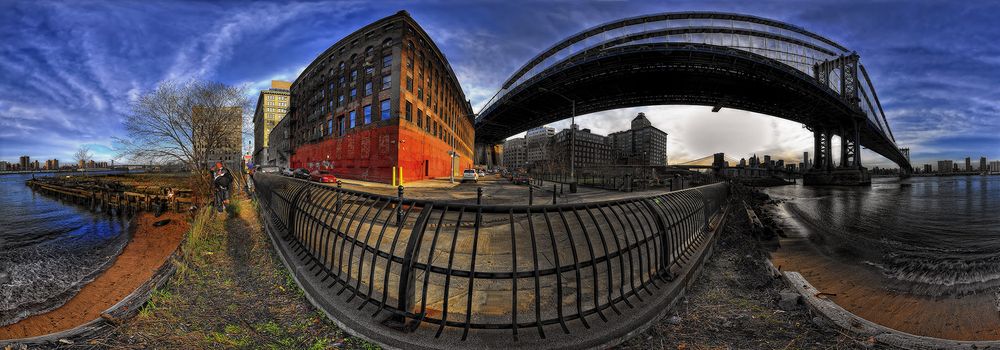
[944, 166]
[514, 153]
[536, 142]
[226, 145]
[272, 105]
[590, 149]
[642, 144]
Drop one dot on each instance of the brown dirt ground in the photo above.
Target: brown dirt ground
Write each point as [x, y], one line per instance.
[733, 305]
[149, 248]
[859, 290]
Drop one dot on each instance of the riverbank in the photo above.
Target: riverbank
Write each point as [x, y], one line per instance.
[735, 304]
[148, 249]
[230, 291]
[862, 291]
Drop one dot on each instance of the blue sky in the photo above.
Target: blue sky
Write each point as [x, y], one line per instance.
[69, 69]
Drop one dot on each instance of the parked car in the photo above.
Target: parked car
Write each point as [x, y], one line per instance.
[324, 176]
[268, 169]
[470, 175]
[482, 172]
[300, 173]
[286, 171]
[519, 179]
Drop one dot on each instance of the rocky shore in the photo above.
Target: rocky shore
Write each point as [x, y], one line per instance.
[738, 303]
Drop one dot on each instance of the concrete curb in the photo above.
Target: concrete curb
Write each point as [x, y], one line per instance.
[843, 320]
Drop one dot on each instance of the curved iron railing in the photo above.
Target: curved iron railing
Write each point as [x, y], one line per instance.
[428, 266]
[781, 42]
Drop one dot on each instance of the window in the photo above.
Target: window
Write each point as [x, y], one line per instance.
[420, 93]
[386, 82]
[369, 71]
[340, 125]
[340, 100]
[368, 88]
[341, 80]
[354, 115]
[354, 74]
[354, 94]
[409, 111]
[409, 83]
[329, 129]
[341, 67]
[369, 51]
[368, 114]
[409, 62]
[387, 61]
[420, 118]
[384, 108]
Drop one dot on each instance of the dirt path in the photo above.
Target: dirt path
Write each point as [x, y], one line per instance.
[231, 293]
[149, 249]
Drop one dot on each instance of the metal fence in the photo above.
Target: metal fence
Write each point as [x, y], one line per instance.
[433, 266]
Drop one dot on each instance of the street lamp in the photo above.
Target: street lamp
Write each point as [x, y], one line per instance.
[572, 137]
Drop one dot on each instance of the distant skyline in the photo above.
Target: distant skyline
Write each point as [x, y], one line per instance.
[71, 68]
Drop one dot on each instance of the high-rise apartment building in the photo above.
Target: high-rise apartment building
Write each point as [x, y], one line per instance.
[968, 164]
[944, 166]
[222, 142]
[382, 97]
[982, 164]
[272, 105]
[514, 153]
[536, 141]
[25, 162]
[589, 149]
[643, 144]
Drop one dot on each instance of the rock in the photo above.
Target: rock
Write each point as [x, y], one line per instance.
[789, 300]
[4, 278]
[66, 341]
[674, 320]
[161, 223]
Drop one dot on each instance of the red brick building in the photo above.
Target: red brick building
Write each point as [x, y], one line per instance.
[382, 97]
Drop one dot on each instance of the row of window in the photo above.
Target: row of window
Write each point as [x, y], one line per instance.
[351, 120]
[279, 98]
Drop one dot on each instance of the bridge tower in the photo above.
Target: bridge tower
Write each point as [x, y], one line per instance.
[841, 75]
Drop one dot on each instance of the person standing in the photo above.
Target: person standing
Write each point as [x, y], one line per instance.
[222, 180]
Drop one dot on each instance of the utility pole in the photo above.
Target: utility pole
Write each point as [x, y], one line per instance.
[572, 139]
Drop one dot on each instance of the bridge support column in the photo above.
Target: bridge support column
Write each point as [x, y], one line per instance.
[849, 172]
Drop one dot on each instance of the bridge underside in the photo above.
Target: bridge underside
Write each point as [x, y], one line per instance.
[664, 74]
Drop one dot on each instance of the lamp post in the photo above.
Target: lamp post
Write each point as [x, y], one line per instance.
[572, 138]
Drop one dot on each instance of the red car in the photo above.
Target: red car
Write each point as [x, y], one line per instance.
[322, 176]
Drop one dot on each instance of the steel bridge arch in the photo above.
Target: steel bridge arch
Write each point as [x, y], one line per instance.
[818, 70]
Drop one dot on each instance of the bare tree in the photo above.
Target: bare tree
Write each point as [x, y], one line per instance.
[190, 123]
[83, 155]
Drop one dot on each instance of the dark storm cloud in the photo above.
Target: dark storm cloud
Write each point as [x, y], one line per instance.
[69, 69]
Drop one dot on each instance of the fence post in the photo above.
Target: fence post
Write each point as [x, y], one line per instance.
[661, 225]
[531, 194]
[340, 185]
[554, 193]
[407, 279]
[292, 207]
[399, 207]
[479, 196]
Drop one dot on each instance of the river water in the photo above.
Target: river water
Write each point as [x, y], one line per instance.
[933, 236]
[49, 249]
